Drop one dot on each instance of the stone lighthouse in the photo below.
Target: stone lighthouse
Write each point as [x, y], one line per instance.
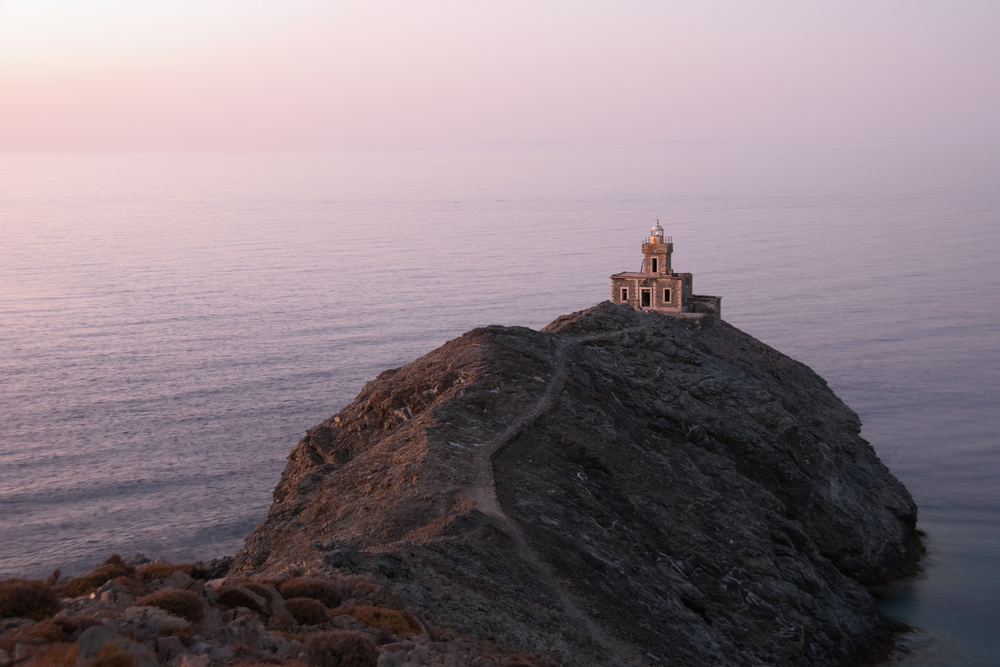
[657, 287]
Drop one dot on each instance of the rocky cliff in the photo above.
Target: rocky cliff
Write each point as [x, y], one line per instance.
[620, 488]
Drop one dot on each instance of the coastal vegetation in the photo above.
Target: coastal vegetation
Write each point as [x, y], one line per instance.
[131, 613]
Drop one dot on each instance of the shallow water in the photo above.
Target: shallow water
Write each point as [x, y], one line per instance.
[171, 324]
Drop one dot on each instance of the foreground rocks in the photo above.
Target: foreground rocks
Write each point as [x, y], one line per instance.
[621, 488]
[161, 614]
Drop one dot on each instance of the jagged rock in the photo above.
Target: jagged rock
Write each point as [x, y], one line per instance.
[222, 655]
[278, 616]
[111, 587]
[620, 488]
[93, 639]
[169, 647]
[156, 617]
[234, 595]
[273, 644]
[217, 568]
[177, 579]
[7, 624]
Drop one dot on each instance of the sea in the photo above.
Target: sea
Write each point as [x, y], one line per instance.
[171, 324]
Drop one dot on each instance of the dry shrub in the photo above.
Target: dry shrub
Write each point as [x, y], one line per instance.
[132, 585]
[56, 655]
[307, 611]
[46, 632]
[243, 652]
[162, 570]
[363, 591]
[256, 583]
[49, 630]
[112, 655]
[112, 568]
[382, 596]
[399, 622]
[183, 604]
[341, 648]
[22, 598]
[73, 626]
[356, 585]
[325, 591]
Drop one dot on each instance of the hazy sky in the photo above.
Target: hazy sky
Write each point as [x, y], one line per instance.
[311, 75]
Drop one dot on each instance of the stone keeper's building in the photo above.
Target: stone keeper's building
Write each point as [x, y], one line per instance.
[657, 287]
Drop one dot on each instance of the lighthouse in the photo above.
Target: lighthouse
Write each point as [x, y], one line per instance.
[656, 286]
[656, 251]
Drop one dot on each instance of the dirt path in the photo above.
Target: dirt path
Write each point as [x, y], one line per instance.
[485, 495]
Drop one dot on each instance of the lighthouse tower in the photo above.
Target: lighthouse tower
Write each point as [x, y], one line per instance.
[656, 251]
[657, 287]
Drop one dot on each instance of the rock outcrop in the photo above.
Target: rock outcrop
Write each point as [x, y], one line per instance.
[620, 488]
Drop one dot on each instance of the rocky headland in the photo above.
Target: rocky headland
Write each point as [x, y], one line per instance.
[620, 488]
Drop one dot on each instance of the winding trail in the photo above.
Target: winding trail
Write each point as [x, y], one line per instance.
[485, 496]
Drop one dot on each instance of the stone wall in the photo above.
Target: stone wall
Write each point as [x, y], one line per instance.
[712, 305]
[678, 284]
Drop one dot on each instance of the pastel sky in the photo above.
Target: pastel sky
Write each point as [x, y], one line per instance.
[110, 75]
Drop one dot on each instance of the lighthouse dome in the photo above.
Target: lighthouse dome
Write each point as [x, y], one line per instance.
[656, 233]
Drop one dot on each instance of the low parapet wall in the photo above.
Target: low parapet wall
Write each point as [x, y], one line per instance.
[710, 305]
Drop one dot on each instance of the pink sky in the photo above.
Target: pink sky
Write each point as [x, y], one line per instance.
[308, 75]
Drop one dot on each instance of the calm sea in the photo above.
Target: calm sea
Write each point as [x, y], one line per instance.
[171, 324]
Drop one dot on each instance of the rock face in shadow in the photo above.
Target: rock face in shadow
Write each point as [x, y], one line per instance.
[621, 488]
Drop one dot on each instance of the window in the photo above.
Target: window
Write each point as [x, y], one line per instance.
[624, 294]
[666, 296]
[644, 298]
[654, 265]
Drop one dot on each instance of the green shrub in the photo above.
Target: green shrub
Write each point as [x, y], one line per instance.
[183, 604]
[22, 598]
[325, 591]
[341, 648]
[112, 568]
[307, 611]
